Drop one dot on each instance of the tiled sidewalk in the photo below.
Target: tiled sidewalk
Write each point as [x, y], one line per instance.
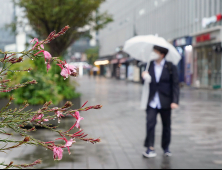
[196, 130]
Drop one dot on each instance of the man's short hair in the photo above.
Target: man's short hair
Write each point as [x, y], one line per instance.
[162, 50]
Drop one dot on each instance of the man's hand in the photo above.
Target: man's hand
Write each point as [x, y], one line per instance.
[144, 74]
[174, 106]
[146, 77]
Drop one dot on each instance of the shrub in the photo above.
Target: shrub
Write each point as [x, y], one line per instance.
[50, 86]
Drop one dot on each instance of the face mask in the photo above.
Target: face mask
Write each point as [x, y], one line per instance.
[154, 56]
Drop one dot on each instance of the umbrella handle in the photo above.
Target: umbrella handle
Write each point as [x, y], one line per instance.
[145, 91]
[147, 66]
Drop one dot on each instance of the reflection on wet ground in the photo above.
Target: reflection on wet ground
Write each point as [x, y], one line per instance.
[196, 130]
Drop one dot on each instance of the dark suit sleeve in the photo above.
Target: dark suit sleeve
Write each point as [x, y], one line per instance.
[175, 83]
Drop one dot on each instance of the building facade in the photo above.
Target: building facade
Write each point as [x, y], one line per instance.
[184, 23]
[7, 14]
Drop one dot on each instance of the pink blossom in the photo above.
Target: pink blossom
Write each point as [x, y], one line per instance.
[69, 143]
[42, 46]
[34, 117]
[78, 118]
[67, 70]
[65, 73]
[70, 68]
[48, 67]
[33, 40]
[47, 55]
[37, 42]
[57, 153]
[39, 116]
[59, 114]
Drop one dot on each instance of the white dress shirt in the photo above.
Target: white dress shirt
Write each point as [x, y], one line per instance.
[158, 69]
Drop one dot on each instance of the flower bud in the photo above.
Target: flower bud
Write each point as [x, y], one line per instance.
[27, 139]
[67, 105]
[11, 98]
[33, 82]
[98, 107]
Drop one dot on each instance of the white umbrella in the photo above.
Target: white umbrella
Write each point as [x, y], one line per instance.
[141, 48]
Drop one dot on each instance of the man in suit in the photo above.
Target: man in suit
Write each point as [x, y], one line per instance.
[163, 97]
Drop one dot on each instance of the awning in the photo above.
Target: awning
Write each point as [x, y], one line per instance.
[123, 60]
[114, 61]
[103, 60]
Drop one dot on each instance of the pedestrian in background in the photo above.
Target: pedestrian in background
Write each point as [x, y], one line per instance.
[89, 71]
[95, 70]
[163, 97]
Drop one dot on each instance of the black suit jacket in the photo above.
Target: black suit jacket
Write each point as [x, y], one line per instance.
[167, 87]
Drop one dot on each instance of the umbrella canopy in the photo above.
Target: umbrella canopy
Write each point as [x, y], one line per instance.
[140, 48]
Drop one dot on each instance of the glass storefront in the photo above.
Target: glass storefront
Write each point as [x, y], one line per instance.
[108, 71]
[130, 72]
[209, 65]
[123, 72]
[181, 45]
[180, 66]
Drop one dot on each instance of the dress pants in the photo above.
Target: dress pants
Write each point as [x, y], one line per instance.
[151, 123]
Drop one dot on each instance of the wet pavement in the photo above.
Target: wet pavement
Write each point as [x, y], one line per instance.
[196, 131]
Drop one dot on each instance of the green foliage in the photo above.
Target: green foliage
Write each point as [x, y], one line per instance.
[45, 90]
[65, 87]
[92, 54]
[45, 16]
